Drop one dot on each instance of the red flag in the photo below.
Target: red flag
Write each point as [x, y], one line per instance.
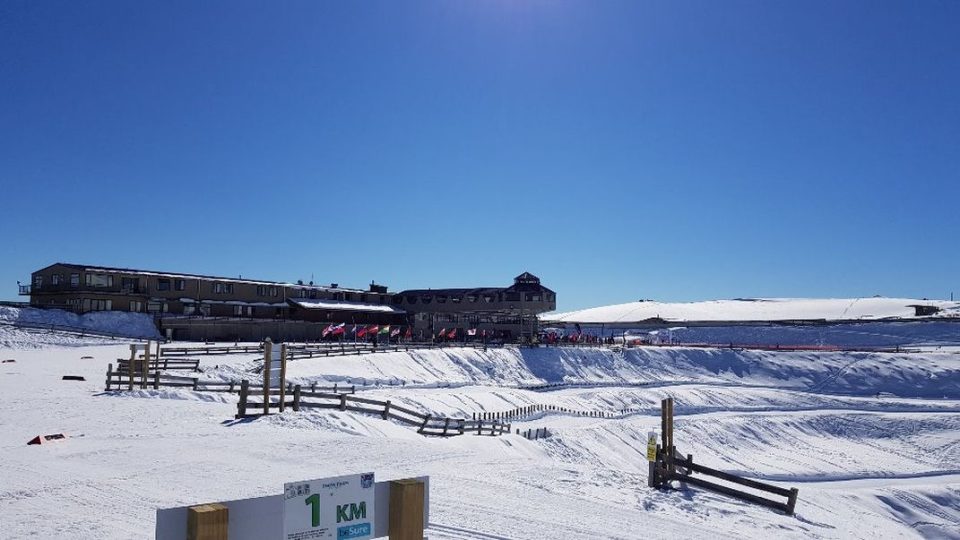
[373, 329]
[361, 332]
[327, 330]
[339, 329]
[452, 334]
[409, 331]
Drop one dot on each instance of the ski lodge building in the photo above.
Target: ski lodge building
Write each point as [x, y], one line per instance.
[193, 306]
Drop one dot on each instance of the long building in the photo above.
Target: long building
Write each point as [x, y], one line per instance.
[181, 302]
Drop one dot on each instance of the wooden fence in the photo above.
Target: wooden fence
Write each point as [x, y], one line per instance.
[163, 364]
[120, 380]
[426, 424]
[530, 410]
[310, 350]
[669, 465]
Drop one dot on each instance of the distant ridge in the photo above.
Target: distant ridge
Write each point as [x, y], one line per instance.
[762, 310]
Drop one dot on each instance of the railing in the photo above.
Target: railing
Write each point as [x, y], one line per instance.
[24, 289]
[426, 424]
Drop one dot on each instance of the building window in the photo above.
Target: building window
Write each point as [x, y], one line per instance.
[472, 298]
[136, 305]
[97, 305]
[411, 299]
[455, 299]
[223, 288]
[441, 299]
[180, 284]
[55, 279]
[530, 297]
[38, 281]
[237, 311]
[189, 309]
[74, 280]
[163, 284]
[488, 298]
[158, 307]
[426, 299]
[99, 280]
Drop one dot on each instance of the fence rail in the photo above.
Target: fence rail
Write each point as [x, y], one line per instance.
[426, 424]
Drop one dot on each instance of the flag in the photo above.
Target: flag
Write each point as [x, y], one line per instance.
[472, 332]
[443, 332]
[327, 330]
[385, 329]
[395, 332]
[409, 333]
[361, 332]
[452, 334]
[339, 329]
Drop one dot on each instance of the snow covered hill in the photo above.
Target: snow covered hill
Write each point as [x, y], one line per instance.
[756, 310]
[24, 327]
[872, 440]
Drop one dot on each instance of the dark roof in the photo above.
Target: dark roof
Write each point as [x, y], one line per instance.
[476, 290]
[99, 268]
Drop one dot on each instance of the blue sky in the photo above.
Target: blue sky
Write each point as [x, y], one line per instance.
[620, 150]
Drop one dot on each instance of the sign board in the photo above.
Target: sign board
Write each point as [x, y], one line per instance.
[276, 364]
[261, 518]
[651, 446]
[340, 508]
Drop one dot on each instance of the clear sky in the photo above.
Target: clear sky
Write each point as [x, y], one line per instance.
[674, 150]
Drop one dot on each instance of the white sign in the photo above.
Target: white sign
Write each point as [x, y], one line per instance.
[340, 508]
[276, 363]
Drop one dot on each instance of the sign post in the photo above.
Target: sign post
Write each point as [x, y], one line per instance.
[274, 371]
[652, 458]
[340, 508]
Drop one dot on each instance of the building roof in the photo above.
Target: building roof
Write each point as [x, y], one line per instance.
[336, 305]
[90, 268]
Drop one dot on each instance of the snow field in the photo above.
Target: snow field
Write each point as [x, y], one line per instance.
[866, 466]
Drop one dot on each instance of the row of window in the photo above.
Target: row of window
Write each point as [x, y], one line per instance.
[471, 298]
[469, 320]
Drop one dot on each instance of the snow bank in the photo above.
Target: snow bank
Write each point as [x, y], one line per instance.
[757, 309]
[928, 375]
[119, 323]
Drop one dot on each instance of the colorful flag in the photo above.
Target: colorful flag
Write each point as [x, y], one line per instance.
[409, 332]
[327, 330]
[395, 332]
[472, 332]
[452, 334]
[361, 332]
[385, 329]
[339, 329]
[443, 332]
[373, 329]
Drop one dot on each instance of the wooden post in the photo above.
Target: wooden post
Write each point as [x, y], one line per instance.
[207, 522]
[267, 353]
[791, 501]
[144, 365]
[109, 370]
[242, 403]
[131, 366]
[283, 374]
[343, 402]
[156, 380]
[446, 426]
[407, 499]
[386, 409]
[296, 398]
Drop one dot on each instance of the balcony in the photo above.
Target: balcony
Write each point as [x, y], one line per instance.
[24, 290]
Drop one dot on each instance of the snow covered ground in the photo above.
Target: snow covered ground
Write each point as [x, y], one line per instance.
[757, 309]
[872, 440]
[16, 324]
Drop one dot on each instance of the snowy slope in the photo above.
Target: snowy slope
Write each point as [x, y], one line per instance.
[867, 466]
[120, 323]
[756, 309]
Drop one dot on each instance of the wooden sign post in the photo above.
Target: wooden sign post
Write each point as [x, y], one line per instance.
[274, 372]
